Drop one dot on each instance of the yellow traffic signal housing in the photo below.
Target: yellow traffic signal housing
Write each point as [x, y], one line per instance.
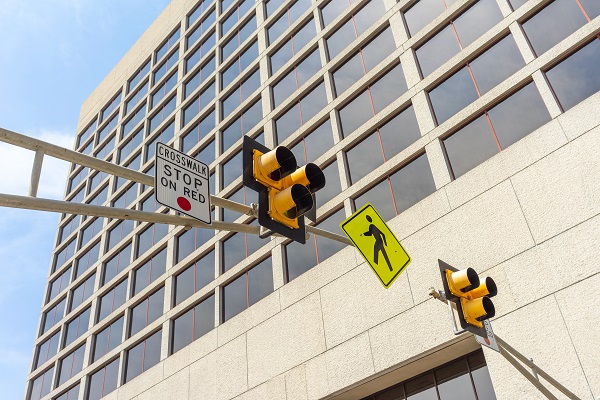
[285, 191]
[471, 296]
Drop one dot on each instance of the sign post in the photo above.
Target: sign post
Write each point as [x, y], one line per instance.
[377, 244]
[181, 183]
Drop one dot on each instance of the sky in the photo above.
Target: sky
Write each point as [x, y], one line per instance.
[53, 53]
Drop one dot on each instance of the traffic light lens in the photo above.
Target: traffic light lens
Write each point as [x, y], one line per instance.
[465, 279]
[489, 308]
[294, 201]
[315, 176]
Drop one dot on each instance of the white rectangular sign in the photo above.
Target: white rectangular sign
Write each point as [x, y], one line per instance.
[181, 183]
[490, 341]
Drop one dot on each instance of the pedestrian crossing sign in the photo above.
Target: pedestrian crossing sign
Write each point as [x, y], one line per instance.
[377, 244]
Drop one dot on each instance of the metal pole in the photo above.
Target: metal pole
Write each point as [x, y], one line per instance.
[33, 203]
[36, 172]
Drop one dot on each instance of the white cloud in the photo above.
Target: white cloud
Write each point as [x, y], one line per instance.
[17, 163]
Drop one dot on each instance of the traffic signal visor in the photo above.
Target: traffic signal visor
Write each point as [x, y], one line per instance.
[474, 296]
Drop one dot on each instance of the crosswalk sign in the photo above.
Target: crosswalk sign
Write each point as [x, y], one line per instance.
[377, 244]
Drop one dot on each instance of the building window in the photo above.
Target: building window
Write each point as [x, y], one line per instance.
[47, 350]
[112, 300]
[200, 29]
[71, 394]
[287, 19]
[53, 315]
[364, 61]
[71, 365]
[241, 93]
[116, 264]
[137, 117]
[126, 197]
[244, 196]
[233, 18]
[108, 128]
[576, 78]
[297, 41]
[87, 133]
[166, 67]
[82, 292]
[465, 378]
[143, 356]
[239, 246]
[371, 101]
[65, 254]
[476, 78]
[556, 21]
[41, 385]
[146, 312]
[240, 63]
[301, 112]
[358, 22]
[90, 231]
[383, 144]
[162, 50]
[165, 110]
[68, 228]
[302, 71]
[149, 237]
[77, 327]
[242, 125]
[457, 35]
[108, 339]
[87, 259]
[301, 258]
[78, 178]
[139, 76]
[118, 233]
[421, 13]
[200, 52]
[230, 170]
[149, 271]
[496, 129]
[103, 381]
[248, 289]
[190, 240]
[163, 90]
[193, 324]
[200, 130]
[131, 145]
[242, 34]
[110, 107]
[195, 277]
[400, 190]
[200, 76]
[200, 8]
[136, 98]
[198, 103]
[59, 284]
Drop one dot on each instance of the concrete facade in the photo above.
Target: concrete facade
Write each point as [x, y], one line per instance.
[529, 217]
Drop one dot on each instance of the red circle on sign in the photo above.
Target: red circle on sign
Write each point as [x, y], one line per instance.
[184, 203]
[487, 341]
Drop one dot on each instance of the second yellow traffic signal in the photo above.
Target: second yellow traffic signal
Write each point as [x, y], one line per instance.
[471, 296]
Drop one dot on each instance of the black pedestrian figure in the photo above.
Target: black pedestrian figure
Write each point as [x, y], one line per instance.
[380, 242]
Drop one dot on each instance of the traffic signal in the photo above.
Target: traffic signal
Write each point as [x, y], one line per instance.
[471, 296]
[285, 191]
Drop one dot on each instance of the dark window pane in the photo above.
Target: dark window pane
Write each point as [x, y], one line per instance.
[437, 50]
[348, 74]
[378, 49]
[412, 183]
[356, 113]
[333, 9]
[421, 388]
[182, 331]
[360, 165]
[71, 365]
[150, 271]
[519, 115]
[576, 78]
[470, 146]
[477, 20]
[380, 197]
[340, 39]
[333, 186]
[232, 169]
[453, 95]
[117, 264]
[204, 317]
[300, 258]
[399, 133]
[108, 339]
[326, 248]
[234, 298]
[388, 88]
[497, 64]
[47, 350]
[554, 23]
[422, 13]
[592, 7]
[234, 250]
[453, 381]
[260, 281]
[77, 327]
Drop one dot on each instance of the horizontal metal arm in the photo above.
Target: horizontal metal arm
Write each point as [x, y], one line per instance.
[33, 203]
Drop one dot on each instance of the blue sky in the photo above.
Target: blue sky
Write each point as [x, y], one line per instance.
[53, 53]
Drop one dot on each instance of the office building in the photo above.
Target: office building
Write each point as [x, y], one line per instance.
[472, 127]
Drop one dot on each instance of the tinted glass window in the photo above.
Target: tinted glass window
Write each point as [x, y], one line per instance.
[193, 324]
[112, 300]
[422, 13]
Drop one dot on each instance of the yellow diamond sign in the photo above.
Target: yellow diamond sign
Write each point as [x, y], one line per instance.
[376, 242]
